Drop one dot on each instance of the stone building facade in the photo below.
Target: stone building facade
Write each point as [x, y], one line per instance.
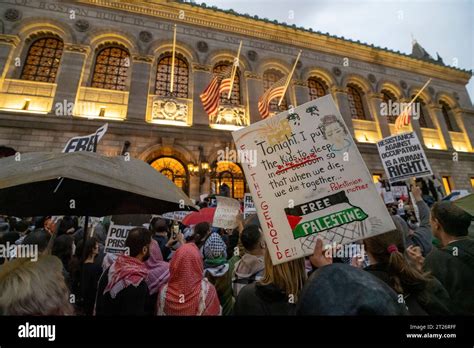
[68, 67]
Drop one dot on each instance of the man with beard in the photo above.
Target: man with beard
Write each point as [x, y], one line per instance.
[122, 288]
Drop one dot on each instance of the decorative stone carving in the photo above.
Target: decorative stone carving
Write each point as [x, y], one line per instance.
[9, 39]
[336, 71]
[251, 75]
[202, 46]
[169, 110]
[252, 55]
[12, 15]
[301, 83]
[372, 78]
[145, 59]
[76, 48]
[230, 115]
[403, 84]
[81, 25]
[145, 36]
[201, 67]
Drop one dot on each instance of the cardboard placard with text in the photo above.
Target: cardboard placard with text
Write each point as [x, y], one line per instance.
[116, 236]
[310, 181]
[249, 205]
[226, 213]
[403, 157]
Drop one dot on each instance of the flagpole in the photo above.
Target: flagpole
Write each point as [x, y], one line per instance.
[289, 78]
[412, 101]
[172, 59]
[234, 71]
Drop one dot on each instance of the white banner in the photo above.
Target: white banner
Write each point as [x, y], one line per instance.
[86, 142]
[226, 213]
[310, 182]
[176, 215]
[403, 157]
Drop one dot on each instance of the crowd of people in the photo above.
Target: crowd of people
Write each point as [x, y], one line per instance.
[422, 268]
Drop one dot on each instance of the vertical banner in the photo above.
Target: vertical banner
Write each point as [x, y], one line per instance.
[226, 213]
[403, 157]
[310, 181]
[86, 142]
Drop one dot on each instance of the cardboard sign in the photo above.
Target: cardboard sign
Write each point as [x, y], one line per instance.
[403, 157]
[388, 197]
[310, 181]
[87, 142]
[116, 236]
[400, 192]
[249, 205]
[226, 213]
[176, 215]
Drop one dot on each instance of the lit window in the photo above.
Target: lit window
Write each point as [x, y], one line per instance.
[269, 78]
[472, 182]
[111, 68]
[447, 184]
[181, 76]
[356, 105]
[376, 178]
[42, 60]
[230, 174]
[317, 88]
[173, 170]
[448, 117]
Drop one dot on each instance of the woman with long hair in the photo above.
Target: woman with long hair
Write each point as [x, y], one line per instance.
[422, 293]
[201, 232]
[158, 273]
[276, 293]
[91, 272]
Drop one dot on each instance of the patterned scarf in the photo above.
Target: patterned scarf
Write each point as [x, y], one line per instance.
[125, 271]
[158, 270]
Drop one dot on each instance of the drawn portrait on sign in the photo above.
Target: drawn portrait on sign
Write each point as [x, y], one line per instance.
[336, 133]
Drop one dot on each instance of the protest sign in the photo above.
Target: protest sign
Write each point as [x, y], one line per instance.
[403, 157]
[175, 215]
[310, 181]
[400, 192]
[116, 236]
[226, 212]
[86, 142]
[249, 205]
[388, 197]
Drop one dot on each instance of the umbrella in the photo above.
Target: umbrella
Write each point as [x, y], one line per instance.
[85, 183]
[196, 217]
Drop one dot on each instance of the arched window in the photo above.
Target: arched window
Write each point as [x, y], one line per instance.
[173, 170]
[111, 68]
[317, 88]
[235, 98]
[269, 78]
[230, 174]
[42, 60]
[448, 117]
[389, 98]
[423, 120]
[356, 104]
[181, 76]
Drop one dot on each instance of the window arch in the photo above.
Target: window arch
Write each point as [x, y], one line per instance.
[181, 76]
[269, 78]
[317, 88]
[173, 169]
[230, 174]
[423, 119]
[356, 103]
[111, 68]
[42, 60]
[448, 117]
[388, 97]
[235, 97]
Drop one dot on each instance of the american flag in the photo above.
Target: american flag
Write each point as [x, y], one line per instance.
[403, 119]
[211, 96]
[275, 91]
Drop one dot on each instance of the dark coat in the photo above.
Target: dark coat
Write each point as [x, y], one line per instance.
[130, 301]
[256, 299]
[432, 299]
[89, 281]
[453, 266]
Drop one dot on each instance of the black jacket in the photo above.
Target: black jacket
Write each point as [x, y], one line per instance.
[453, 266]
[256, 299]
[130, 301]
[89, 281]
[430, 300]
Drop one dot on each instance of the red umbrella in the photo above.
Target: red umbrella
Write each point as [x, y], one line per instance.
[203, 215]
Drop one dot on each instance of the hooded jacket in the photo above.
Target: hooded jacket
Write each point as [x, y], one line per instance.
[247, 270]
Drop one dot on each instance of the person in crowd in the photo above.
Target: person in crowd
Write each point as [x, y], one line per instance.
[438, 186]
[158, 274]
[63, 248]
[39, 237]
[160, 230]
[201, 233]
[422, 293]
[251, 265]
[188, 293]
[216, 270]
[66, 226]
[23, 228]
[91, 272]
[122, 288]
[34, 288]
[276, 293]
[341, 289]
[453, 263]
[432, 188]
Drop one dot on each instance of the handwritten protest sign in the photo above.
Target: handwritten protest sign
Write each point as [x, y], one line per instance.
[310, 181]
[176, 215]
[86, 142]
[226, 212]
[116, 236]
[249, 205]
[403, 157]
